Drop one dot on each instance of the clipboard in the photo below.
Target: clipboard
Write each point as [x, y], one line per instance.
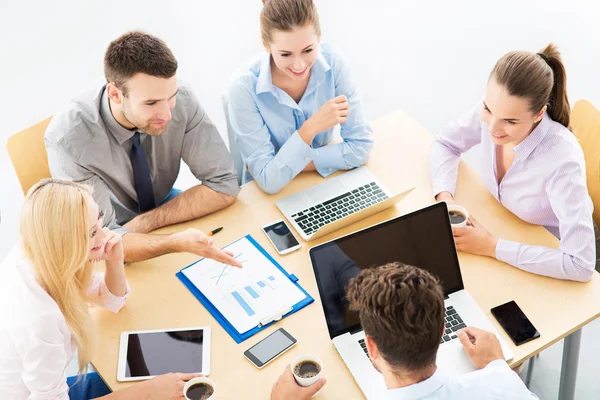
[265, 322]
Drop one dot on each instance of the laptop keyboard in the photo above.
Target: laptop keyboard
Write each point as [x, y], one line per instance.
[363, 346]
[453, 324]
[311, 219]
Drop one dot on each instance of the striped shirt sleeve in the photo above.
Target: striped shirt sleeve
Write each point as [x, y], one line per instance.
[575, 258]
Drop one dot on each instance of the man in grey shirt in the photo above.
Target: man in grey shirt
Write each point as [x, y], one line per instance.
[127, 140]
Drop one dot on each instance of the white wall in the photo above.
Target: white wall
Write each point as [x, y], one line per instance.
[431, 58]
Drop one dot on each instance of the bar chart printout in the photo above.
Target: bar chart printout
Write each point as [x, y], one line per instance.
[244, 296]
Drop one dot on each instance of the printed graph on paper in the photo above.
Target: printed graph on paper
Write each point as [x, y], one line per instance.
[244, 295]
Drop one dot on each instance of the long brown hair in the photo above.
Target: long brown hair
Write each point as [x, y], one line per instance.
[540, 77]
[285, 15]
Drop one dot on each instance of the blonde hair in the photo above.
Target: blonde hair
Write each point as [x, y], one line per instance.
[55, 236]
[285, 15]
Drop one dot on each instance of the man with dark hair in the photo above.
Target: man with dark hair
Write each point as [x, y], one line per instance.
[401, 310]
[128, 139]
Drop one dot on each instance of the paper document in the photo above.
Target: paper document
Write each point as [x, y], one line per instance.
[247, 295]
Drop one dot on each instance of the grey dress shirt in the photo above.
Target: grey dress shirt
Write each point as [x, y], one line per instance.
[86, 144]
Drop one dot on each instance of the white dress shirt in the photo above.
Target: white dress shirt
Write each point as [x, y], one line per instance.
[35, 340]
[494, 382]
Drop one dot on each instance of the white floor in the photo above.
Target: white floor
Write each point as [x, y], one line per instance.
[547, 368]
[431, 59]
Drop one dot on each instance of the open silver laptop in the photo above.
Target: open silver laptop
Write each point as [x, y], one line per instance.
[338, 202]
[422, 238]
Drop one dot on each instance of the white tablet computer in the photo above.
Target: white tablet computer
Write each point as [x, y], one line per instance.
[146, 354]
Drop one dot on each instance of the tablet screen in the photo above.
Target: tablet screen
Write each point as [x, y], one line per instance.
[157, 353]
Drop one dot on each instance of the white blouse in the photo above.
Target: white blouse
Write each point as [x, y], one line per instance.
[35, 341]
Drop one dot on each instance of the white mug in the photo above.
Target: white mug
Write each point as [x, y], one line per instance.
[461, 210]
[200, 379]
[305, 382]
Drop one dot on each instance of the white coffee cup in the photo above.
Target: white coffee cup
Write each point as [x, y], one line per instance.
[305, 382]
[460, 210]
[198, 380]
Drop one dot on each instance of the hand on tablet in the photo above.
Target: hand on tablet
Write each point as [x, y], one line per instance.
[197, 242]
[166, 387]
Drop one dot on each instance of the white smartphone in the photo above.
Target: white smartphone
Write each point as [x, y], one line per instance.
[281, 237]
[270, 348]
[146, 354]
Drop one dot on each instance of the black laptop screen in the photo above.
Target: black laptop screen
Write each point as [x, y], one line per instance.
[422, 238]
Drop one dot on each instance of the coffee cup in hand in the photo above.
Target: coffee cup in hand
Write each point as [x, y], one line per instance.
[307, 370]
[458, 216]
[200, 388]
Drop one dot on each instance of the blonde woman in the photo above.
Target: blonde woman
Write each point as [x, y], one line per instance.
[46, 285]
[284, 106]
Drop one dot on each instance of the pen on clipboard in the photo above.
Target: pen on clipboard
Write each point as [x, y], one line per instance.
[215, 231]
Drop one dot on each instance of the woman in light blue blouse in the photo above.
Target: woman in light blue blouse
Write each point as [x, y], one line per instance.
[284, 107]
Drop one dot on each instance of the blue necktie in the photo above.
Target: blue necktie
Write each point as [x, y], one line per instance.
[141, 175]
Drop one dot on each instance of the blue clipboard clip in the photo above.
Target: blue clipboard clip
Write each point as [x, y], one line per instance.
[275, 317]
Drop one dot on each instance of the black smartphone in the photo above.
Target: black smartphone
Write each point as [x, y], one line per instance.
[281, 237]
[515, 323]
[270, 348]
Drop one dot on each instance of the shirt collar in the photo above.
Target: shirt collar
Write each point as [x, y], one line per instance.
[317, 74]
[264, 83]
[526, 147]
[120, 133]
[419, 390]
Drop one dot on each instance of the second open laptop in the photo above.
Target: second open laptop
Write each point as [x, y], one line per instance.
[423, 239]
[338, 202]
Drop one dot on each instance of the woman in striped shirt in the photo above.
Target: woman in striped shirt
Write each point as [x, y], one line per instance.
[531, 163]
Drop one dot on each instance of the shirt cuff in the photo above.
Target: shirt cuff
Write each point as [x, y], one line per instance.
[329, 159]
[439, 187]
[507, 251]
[229, 187]
[295, 154]
[112, 302]
[498, 365]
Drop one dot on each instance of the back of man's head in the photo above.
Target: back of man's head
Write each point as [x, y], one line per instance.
[401, 308]
[137, 52]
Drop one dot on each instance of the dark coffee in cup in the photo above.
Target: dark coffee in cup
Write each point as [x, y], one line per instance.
[456, 217]
[307, 369]
[200, 391]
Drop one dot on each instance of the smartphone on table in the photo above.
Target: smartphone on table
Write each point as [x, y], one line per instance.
[281, 237]
[271, 347]
[516, 324]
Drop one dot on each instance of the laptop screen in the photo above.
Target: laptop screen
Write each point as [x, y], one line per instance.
[422, 238]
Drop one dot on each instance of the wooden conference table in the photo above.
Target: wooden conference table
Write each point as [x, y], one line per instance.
[399, 159]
